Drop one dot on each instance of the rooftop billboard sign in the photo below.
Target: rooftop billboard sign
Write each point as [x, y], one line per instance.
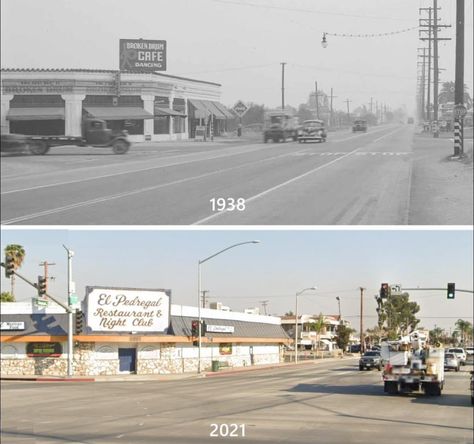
[142, 55]
[127, 310]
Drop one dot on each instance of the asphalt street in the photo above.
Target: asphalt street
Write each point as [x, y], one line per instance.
[322, 402]
[361, 178]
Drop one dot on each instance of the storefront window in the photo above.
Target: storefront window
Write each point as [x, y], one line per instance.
[162, 125]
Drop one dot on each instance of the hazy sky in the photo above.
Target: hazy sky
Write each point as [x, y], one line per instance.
[338, 262]
[240, 43]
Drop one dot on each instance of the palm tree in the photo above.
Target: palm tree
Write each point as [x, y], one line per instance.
[17, 252]
[464, 327]
[318, 327]
[447, 94]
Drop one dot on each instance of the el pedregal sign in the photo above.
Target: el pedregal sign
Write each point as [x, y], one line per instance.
[127, 310]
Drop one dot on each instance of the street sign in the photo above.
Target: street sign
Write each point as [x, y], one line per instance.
[40, 302]
[240, 108]
[459, 111]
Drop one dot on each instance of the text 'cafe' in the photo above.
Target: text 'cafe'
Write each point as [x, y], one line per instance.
[126, 330]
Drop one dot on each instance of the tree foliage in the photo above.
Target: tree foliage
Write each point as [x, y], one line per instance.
[6, 296]
[343, 336]
[18, 253]
[397, 315]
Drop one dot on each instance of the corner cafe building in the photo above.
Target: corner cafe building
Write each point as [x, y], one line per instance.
[132, 331]
[150, 106]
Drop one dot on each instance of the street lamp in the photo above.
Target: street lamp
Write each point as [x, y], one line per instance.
[324, 43]
[296, 319]
[70, 346]
[201, 261]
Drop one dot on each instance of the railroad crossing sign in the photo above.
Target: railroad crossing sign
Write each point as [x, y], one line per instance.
[459, 111]
[240, 108]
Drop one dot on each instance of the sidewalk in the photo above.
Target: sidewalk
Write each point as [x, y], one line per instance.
[441, 186]
[171, 377]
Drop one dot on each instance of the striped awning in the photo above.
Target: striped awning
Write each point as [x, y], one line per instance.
[168, 112]
[37, 113]
[118, 113]
[205, 108]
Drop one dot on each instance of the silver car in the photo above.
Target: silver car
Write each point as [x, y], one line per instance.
[460, 354]
[451, 362]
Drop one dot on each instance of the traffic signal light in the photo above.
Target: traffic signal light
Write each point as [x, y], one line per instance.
[79, 322]
[384, 291]
[41, 286]
[451, 290]
[9, 265]
[195, 328]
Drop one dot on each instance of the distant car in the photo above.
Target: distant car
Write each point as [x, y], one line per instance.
[370, 359]
[359, 125]
[451, 362]
[312, 130]
[460, 354]
[469, 351]
[354, 348]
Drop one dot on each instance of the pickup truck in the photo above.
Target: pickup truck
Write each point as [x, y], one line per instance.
[94, 133]
[370, 359]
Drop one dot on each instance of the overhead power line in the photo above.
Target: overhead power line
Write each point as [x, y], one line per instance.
[309, 11]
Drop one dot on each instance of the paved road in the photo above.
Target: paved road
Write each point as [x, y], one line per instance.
[361, 178]
[327, 402]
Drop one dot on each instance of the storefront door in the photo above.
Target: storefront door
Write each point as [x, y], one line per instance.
[127, 359]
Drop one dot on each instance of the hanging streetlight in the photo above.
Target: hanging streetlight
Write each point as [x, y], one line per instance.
[324, 43]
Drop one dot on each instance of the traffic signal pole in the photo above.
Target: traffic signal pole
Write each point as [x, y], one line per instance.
[68, 309]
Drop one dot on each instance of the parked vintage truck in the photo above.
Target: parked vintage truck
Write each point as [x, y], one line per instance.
[279, 126]
[412, 365]
[94, 133]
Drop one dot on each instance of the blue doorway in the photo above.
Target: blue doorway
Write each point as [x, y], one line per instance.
[127, 359]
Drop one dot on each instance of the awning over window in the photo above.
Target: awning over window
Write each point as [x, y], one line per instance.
[205, 108]
[168, 112]
[38, 113]
[119, 113]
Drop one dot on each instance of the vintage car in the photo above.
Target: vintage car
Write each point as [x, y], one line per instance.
[312, 130]
[359, 125]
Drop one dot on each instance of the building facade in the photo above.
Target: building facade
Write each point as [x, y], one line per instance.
[34, 341]
[149, 106]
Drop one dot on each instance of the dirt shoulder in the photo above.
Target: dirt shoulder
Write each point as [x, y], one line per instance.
[441, 187]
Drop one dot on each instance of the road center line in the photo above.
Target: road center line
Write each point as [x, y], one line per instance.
[294, 179]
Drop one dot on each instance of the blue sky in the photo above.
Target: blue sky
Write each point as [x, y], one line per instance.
[241, 43]
[338, 262]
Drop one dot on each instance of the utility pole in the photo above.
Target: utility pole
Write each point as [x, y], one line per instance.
[45, 265]
[362, 342]
[330, 115]
[433, 27]
[423, 83]
[371, 102]
[348, 112]
[459, 81]
[316, 95]
[264, 305]
[435, 67]
[283, 85]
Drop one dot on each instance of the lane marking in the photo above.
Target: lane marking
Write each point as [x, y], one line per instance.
[133, 192]
[120, 173]
[290, 181]
[186, 161]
